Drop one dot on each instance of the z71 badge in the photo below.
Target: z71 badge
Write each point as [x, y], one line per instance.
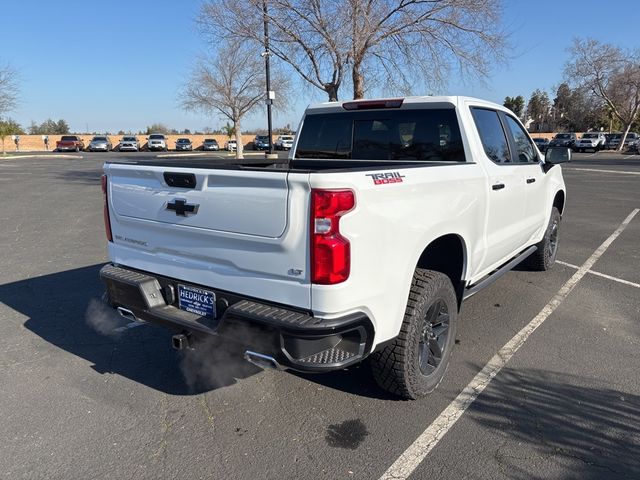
[386, 177]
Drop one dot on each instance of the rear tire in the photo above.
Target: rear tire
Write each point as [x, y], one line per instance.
[545, 256]
[415, 363]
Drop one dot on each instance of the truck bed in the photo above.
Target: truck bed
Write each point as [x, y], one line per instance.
[298, 165]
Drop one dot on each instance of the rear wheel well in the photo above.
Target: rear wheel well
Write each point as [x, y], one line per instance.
[558, 201]
[446, 254]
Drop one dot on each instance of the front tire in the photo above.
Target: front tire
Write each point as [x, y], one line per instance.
[545, 256]
[415, 363]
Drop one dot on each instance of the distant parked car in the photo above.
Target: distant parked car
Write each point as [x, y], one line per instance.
[284, 142]
[541, 143]
[591, 141]
[100, 144]
[157, 141]
[261, 142]
[231, 146]
[210, 144]
[129, 144]
[184, 144]
[608, 138]
[631, 141]
[563, 140]
[614, 141]
[70, 143]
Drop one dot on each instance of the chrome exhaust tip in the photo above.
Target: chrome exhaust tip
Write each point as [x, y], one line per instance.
[263, 361]
[133, 320]
[126, 313]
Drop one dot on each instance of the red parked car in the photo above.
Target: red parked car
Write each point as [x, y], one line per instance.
[70, 143]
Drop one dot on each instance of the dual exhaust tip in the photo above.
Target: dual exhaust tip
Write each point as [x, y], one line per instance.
[183, 341]
[263, 361]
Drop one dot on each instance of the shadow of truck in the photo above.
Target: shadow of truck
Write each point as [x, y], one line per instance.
[64, 309]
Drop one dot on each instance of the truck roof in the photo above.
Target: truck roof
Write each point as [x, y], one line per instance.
[407, 102]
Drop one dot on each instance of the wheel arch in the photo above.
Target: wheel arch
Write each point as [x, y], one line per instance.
[447, 254]
[558, 201]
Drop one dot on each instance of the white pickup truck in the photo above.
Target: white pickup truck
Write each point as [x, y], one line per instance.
[364, 243]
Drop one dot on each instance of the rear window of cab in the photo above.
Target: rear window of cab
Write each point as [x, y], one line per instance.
[405, 135]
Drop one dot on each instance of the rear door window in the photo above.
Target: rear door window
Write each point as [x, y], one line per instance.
[492, 134]
[525, 153]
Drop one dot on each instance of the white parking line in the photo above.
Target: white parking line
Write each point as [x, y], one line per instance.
[195, 154]
[16, 157]
[219, 154]
[603, 275]
[420, 448]
[597, 170]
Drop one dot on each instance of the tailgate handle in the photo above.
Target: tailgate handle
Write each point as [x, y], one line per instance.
[180, 180]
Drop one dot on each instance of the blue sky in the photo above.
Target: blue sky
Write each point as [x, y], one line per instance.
[106, 66]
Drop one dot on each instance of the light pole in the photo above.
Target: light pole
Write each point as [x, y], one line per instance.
[266, 54]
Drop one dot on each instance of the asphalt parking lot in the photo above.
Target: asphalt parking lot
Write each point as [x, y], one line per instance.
[80, 404]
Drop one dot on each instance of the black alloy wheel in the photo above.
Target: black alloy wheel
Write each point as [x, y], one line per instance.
[435, 332]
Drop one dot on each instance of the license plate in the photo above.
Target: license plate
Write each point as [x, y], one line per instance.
[196, 300]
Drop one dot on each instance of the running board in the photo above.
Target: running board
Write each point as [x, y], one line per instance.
[472, 290]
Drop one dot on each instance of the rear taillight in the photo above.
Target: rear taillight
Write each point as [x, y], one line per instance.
[330, 251]
[107, 221]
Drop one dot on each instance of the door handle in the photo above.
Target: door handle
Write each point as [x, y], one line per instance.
[497, 186]
[531, 180]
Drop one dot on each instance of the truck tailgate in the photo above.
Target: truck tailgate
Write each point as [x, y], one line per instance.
[244, 231]
[246, 202]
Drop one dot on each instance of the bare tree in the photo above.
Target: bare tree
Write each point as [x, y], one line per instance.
[8, 89]
[230, 84]
[611, 74]
[8, 100]
[402, 43]
[306, 34]
[416, 41]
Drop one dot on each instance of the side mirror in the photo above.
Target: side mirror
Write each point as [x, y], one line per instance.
[556, 155]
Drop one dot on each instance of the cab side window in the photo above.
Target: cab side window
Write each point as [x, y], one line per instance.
[525, 153]
[492, 134]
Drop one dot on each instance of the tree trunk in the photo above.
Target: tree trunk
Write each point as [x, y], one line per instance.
[624, 137]
[358, 81]
[239, 145]
[332, 91]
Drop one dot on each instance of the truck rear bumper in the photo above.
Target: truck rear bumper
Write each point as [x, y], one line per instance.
[293, 338]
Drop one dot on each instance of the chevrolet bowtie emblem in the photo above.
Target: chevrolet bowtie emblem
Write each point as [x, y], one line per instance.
[182, 208]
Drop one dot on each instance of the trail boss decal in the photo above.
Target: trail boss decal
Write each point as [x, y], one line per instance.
[386, 177]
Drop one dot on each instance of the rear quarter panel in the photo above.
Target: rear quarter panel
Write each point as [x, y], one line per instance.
[390, 227]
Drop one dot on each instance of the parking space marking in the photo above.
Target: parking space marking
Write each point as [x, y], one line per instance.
[603, 275]
[17, 157]
[597, 170]
[194, 154]
[420, 448]
[219, 154]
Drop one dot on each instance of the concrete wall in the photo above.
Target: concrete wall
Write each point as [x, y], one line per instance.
[35, 142]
